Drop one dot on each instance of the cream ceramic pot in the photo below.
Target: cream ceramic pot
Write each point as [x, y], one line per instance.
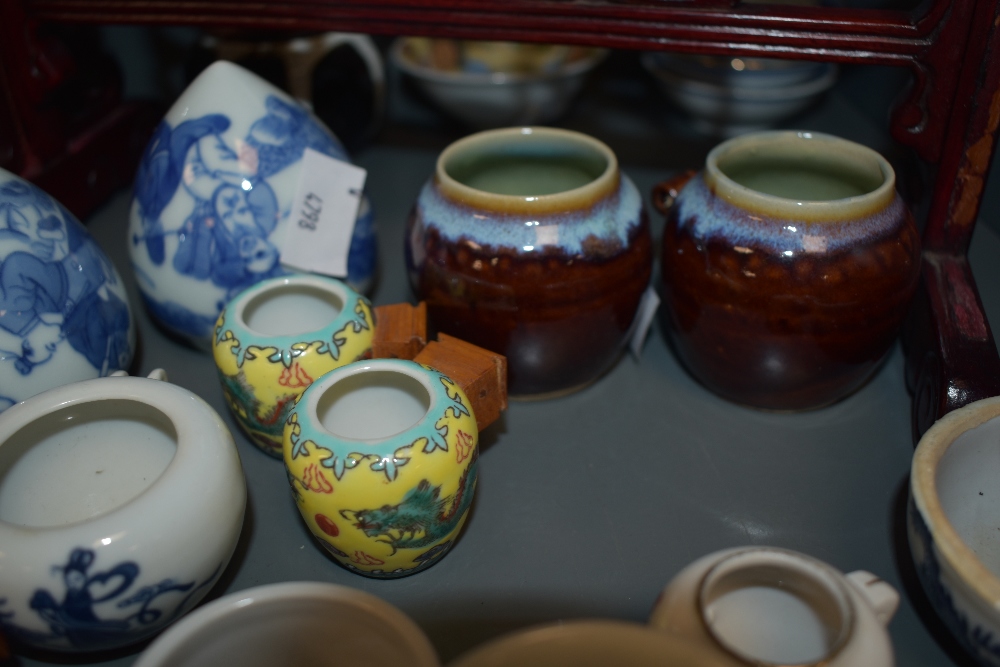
[121, 501]
[587, 643]
[294, 623]
[766, 607]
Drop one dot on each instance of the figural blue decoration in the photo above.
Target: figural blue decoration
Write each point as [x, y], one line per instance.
[64, 313]
[90, 608]
[212, 192]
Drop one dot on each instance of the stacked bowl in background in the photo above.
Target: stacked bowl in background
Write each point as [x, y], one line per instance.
[496, 84]
[729, 96]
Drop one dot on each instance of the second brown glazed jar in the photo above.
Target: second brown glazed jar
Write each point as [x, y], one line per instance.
[788, 266]
[531, 243]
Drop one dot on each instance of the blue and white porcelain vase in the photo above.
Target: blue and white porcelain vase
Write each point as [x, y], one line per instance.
[64, 313]
[212, 194]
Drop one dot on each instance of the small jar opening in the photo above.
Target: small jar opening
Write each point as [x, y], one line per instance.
[291, 308]
[83, 461]
[373, 405]
[802, 177]
[777, 612]
[527, 164]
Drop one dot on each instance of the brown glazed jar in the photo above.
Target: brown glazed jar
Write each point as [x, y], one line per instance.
[531, 243]
[788, 266]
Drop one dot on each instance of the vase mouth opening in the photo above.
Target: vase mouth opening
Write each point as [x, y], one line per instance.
[801, 175]
[290, 306]
[527, 169]
[371, 403]
[771, 607]
[79, 462]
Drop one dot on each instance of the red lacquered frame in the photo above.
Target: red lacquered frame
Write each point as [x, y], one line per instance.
[950, 116]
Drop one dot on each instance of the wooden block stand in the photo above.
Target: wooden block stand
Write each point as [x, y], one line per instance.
[401, 333]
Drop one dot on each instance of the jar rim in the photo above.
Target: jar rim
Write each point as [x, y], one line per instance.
[256, 294]
[756, 565]
[781, 144]
[412, 370]
[581, 197]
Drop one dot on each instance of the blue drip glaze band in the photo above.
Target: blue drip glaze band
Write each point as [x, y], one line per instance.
[568, 231]
[709, 217]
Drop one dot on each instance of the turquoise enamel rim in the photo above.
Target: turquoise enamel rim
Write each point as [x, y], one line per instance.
[233, 315]
[392, 450]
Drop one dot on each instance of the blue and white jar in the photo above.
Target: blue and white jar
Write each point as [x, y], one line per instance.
[213, 191]
[64, 313]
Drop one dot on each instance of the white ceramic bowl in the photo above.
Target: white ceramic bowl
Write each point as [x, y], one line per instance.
[488, 96]
[733, 107]
[586, 643]
[295, 623]
[121, 502]
[213, 194]
[954, 524]
[64, 313]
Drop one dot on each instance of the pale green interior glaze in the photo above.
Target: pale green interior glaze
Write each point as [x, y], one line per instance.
[527, 169]
[801, 175]
[530, 168]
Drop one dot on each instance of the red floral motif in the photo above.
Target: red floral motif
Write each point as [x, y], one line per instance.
[463, 445]
[361, 558]
[314, 480]
[327, 525]
[294, 377]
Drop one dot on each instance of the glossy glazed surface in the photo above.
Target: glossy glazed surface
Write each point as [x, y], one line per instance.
[132, 565]
[551, 281]
[64, 313]
[214, 189]
[780, 309]
[269, 346]
[384, 488]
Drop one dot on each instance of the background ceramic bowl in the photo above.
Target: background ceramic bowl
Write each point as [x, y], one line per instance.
[64, 313]
[952, 521]
[730, 96]
[121, 502]
[213, 192]
[495, 84]
[293, 623]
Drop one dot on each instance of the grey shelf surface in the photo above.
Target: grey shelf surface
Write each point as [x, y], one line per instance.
[589, 504]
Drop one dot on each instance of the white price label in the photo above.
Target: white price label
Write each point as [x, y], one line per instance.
[318, 231]
[643, 319]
